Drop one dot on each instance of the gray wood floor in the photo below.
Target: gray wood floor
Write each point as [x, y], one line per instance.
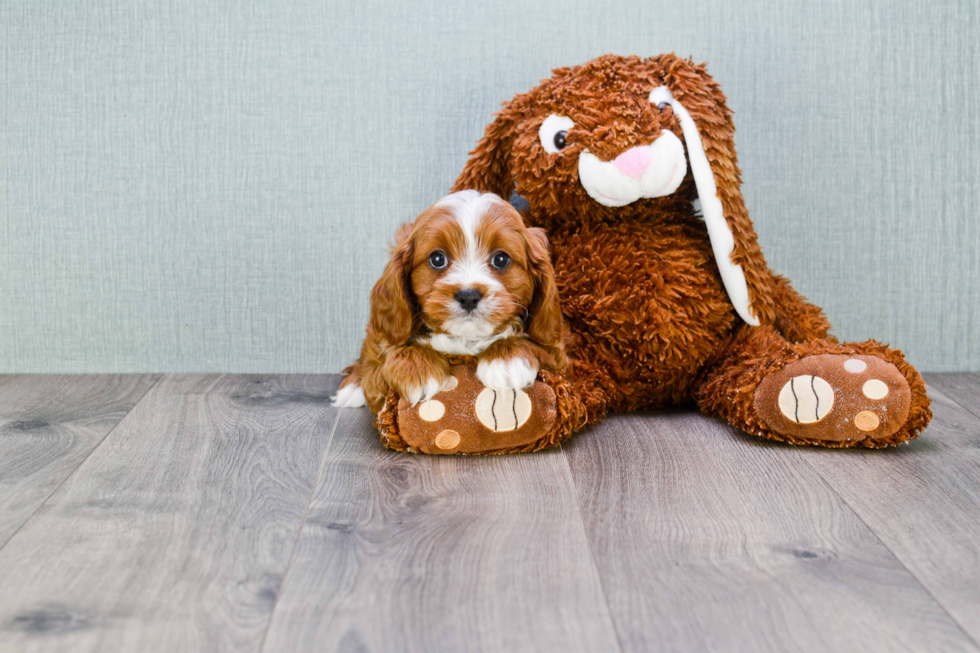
[244, 513]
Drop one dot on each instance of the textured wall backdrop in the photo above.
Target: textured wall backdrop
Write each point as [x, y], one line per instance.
[196, 186]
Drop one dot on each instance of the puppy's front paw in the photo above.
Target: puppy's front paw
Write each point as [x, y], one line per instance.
[415, 373]
[513, 373]
[349, 396]
[414, 392]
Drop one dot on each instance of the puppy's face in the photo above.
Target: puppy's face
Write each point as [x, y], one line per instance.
[471, 270]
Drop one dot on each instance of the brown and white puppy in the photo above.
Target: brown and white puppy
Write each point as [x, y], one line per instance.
[466, 277]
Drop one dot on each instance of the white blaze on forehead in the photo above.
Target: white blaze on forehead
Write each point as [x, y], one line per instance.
[468, 208]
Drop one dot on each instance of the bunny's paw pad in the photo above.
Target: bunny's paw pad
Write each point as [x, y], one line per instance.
[467, 418]
[841, 400]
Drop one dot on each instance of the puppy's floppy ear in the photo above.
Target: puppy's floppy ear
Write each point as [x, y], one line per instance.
[488, 168]
[544, 323]
[709, 135]
[392, 302]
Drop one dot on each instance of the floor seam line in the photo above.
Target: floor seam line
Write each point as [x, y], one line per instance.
[82, 462]
[588, 546]
[898, 558]
[302, 526]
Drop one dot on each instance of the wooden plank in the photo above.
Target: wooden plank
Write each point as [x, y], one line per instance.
[48, 426]
[708, 539]
[964, 389]
[421, 553]
[923, 501]
[174, 535]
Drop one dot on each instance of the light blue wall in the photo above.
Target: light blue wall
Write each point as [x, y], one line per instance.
[192, 186]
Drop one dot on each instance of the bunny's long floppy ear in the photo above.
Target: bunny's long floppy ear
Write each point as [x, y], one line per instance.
[709, 132]
[488, 169]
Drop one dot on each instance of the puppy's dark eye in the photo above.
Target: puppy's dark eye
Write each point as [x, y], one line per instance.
[500, 260]
[560, 140]
[438, 260]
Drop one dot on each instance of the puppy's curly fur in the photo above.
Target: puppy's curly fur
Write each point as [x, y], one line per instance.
[465, 278]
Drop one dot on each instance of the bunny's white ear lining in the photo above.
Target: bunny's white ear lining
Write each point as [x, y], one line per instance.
[722, 240]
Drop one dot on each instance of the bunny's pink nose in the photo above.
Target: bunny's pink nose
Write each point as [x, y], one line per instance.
[634, 161]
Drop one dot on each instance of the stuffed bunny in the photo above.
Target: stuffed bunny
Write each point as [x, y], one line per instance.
[667, 304]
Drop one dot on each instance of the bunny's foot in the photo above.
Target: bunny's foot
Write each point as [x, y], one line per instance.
[817, 392]
[467, 418]
[837, 399]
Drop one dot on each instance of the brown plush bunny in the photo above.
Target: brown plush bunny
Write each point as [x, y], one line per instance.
[666, 306]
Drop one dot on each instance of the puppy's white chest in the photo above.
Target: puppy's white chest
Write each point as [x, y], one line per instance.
[448, 344]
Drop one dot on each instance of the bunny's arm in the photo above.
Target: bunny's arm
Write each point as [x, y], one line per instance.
[797, 319]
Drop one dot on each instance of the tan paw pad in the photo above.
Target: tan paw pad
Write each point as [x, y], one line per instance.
[855, 365]
[503, 410]
[806, 399]
[866, 421]
[447, 439]
[450, 383]
[875, 389]
[432, 410]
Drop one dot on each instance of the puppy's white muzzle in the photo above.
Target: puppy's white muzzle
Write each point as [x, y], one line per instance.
[645, 171]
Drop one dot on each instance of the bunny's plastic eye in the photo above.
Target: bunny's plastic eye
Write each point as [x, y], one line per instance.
[438, 260]
[554, 133]
[662, 106]
[500, 261]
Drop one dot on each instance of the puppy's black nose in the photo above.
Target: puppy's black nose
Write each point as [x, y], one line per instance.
[468, 299]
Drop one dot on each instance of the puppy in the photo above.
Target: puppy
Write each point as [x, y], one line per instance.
[467, 277]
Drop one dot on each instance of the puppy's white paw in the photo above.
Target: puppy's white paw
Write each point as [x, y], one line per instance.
[350, 396]
[507, 373]
[413, 394]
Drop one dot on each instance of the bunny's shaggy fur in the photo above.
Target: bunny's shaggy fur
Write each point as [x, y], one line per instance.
[654, 321]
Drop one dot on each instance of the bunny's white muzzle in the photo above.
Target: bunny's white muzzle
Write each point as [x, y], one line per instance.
[657, 170]
[644, 171]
